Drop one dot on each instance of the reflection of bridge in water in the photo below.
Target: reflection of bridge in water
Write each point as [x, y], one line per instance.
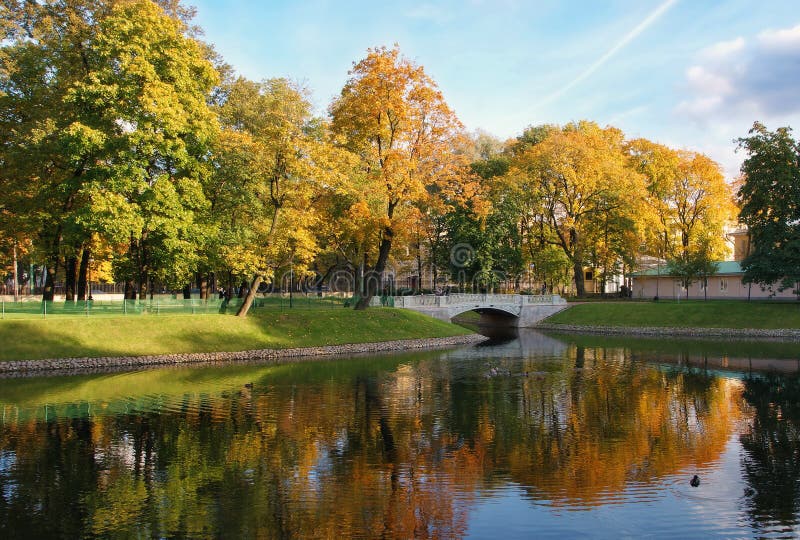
[514, 310]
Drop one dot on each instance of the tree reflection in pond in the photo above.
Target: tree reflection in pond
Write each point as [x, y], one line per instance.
[402, 447]
[771, 462]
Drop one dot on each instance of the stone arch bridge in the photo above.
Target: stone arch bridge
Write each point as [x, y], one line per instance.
[515, 310]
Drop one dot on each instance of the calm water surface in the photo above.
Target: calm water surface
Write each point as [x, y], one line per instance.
[541, 436]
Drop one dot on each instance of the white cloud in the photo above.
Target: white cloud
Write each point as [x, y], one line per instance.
[758, 78]
[724, 49]
[787, 40]
[707, 81]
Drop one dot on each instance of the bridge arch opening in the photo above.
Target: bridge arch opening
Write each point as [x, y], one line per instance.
[492, 316]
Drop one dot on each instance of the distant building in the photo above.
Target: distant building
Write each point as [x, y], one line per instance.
[726, 283]
[593, 282]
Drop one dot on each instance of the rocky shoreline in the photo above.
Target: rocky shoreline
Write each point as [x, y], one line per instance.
[786, 334]
[260, 355]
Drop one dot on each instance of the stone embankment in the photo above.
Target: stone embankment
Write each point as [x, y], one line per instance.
[787, 334]
[259, 355]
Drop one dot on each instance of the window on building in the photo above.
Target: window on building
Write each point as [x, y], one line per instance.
[589, 275]
[723, 284]
[703, 284]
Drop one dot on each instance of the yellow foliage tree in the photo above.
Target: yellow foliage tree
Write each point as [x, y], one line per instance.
[272, 159]
[689, 202]
[394, 118]
[582, 195]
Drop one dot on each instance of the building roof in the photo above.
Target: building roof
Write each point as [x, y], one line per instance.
[723, 268]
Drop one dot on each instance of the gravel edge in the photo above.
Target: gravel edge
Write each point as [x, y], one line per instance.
[296, 354]
[788, 334]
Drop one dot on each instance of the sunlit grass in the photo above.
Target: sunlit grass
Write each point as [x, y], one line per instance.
[152, 334]
[684, 314]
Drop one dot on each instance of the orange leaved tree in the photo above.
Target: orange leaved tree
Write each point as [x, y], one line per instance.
[394, 118]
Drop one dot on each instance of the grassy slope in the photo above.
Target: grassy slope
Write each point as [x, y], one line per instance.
[690, 314]
[150, 334]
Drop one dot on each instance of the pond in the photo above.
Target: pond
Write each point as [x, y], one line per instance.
[541, 435]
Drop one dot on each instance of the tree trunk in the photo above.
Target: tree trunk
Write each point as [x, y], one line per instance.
[130, 290]
[203, 284]
[143, 270]
[49, 283]
[229, 289]
[16, 274]
[69, 279]
[251, 294]
[83, 275]
[419, 267]
[373, 277]
[580, 288]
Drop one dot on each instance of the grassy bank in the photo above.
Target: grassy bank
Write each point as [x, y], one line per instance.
[150, 334]
[685, 314]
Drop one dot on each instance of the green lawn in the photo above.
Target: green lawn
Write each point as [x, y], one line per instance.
[684, 314]
[62, 337]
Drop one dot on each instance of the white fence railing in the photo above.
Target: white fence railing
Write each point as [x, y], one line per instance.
[476, 299]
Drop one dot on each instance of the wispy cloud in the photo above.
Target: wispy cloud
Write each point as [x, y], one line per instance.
[630, 36]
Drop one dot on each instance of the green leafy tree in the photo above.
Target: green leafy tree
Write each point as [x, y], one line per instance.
[104, 104]
[150, 90]
[770, 206]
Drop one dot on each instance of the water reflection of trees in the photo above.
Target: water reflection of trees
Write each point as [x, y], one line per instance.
[399, 453]
[771, 460]
[602, 421]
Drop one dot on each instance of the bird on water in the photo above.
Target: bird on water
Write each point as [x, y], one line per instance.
[695, 481]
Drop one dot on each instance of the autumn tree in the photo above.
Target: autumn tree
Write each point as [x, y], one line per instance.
[272, 159]
[770, 206]
[688, 205]
[580, 194]
[394, 118]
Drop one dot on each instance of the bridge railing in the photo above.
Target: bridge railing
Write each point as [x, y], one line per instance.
[429, 300]
[549, 299]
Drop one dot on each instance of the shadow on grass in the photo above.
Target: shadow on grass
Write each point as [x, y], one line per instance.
[24, 341]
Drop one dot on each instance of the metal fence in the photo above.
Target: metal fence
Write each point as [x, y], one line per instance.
[165, 306]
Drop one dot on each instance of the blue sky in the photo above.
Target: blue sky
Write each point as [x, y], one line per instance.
[692, 74]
